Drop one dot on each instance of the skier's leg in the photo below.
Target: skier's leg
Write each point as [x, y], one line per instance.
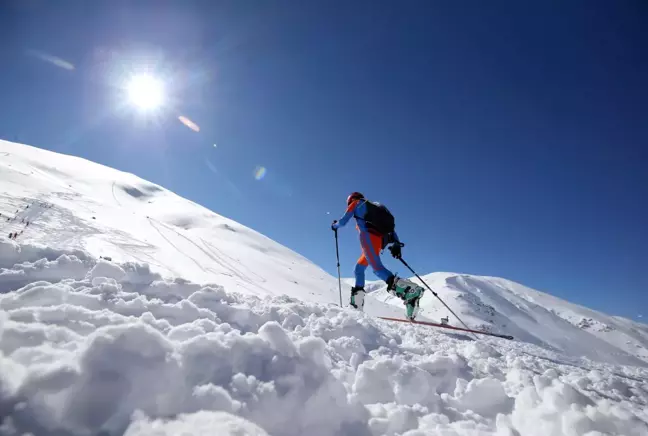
[359, 271]
[371, 246]
[405, 289]
[358, 292]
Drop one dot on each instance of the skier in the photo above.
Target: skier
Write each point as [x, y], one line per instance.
[376, 227]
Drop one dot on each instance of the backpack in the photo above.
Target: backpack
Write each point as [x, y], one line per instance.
[379, 218]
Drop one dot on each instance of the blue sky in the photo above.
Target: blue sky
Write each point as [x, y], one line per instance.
[508, 138]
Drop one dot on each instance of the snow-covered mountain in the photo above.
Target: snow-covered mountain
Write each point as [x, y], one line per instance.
[500, 305]
[106, 212]
[194, 323]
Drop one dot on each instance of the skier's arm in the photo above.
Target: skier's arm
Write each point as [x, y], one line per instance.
[395, 237]
[347, 215]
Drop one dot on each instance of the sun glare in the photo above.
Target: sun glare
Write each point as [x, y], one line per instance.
[146, 92]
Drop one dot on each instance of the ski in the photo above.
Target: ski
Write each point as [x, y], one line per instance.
[445, 326]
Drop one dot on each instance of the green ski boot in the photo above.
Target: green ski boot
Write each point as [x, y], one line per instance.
[409, 292]
[357, 297]
[412, 307]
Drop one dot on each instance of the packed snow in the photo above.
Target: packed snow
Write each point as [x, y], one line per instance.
[127, 310]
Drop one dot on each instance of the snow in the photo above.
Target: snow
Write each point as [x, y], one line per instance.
[196, 326]
[201, 423]
[500, 305]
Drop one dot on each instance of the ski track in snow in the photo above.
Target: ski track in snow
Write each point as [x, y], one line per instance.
[197, 325]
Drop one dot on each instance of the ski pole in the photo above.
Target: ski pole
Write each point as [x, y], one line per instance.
[435, 294]
[337, 254]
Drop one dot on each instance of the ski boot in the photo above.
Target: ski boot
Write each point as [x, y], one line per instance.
[407, 291]
[357, 297]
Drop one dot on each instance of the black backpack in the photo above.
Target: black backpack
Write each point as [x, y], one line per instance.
[379, 218]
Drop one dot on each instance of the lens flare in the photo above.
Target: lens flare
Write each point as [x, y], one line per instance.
[260, 172]
[54, 60]
[187, 122]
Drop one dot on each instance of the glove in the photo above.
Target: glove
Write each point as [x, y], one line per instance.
[335, 225]
[395, 249]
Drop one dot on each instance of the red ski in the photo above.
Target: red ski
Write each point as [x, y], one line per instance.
[445, 326]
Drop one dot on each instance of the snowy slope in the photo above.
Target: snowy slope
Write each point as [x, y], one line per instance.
[196, 325]
[107, 212]
[71, 203]
[501, 305]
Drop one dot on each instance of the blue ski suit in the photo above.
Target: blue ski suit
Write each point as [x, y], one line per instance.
[371, 241]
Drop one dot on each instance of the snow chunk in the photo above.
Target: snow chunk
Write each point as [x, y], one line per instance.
[485, 396]
[53, 271]
[214, 397]
[12, 253]
[106, 269]
[203, 423]
[139, 273]
[392, 419]
[278, 338]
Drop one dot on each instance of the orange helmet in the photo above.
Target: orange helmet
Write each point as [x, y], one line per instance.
[354, 196]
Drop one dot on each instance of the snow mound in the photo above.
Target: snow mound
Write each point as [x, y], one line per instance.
[196, 424]
[118, 350]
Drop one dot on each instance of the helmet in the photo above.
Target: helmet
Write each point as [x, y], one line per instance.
[354, 196]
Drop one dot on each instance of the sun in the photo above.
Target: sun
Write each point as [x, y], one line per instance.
[145, 92]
